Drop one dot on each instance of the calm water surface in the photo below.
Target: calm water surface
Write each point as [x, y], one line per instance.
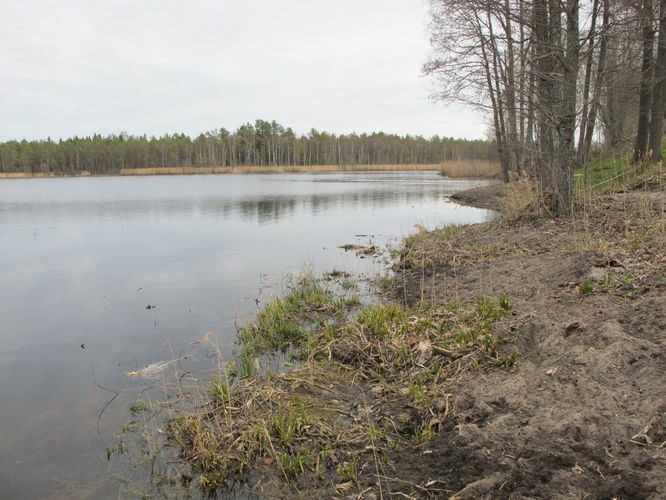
[82, 258]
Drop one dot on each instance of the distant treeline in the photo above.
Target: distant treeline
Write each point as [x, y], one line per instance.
[264, 143]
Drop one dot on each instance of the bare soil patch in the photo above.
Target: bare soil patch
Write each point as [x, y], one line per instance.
[485, 197]
[582, 413]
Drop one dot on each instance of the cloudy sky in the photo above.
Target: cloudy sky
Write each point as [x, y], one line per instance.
[74, 67]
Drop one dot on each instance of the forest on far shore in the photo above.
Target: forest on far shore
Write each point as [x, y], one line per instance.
[262, 144]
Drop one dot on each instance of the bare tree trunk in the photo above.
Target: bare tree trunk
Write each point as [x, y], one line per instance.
[505, 152]
[530, 134]
[557, 81]
[598, 84]
[567, 122]
[544, 76]
[645, 96]
[656, 123]
[523, 93]
[582, 157]
[510, 90]
[494, 98]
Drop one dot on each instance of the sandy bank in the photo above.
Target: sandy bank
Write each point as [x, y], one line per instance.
[582, 413]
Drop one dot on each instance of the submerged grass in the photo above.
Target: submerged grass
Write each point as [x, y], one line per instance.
[280, 323]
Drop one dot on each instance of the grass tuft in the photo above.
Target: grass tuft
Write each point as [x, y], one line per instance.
[383, 319]
[354, 389]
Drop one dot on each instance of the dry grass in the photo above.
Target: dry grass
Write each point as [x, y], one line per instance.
[362, 388]
[467, 169]
[252, 169]
[24, 175]
[463, 169]
[517, 197]
[39, 175]
[628, 226]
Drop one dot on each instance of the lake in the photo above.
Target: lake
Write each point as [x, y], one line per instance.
[82, 258]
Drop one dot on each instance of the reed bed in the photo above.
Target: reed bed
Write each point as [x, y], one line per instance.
[267, 169]
[452, 169]
[470, 169]
[38, 175]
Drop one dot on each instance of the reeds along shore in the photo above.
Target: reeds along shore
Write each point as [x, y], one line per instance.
[464, 169]
[268, 169]
[453, 169]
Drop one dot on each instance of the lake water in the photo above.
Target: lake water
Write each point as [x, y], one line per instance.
[83, 257]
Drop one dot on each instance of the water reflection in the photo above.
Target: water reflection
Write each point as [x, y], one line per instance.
[227, 202]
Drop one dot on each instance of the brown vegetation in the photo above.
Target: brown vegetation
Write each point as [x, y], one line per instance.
[267, 169]
[453, 169]
[467, 169]
[36, 175]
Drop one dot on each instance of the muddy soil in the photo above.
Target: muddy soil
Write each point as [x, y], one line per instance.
[582, 414]
[484, 197]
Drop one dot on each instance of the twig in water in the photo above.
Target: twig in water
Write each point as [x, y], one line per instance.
[99, 417]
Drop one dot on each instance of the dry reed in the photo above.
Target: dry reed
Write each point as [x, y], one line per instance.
[470, 169]
[453, 169]
[268, 169]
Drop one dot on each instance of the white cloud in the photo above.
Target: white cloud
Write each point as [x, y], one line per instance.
[74, 67]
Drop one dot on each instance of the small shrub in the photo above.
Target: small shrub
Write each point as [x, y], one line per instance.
[353, 301]
[376, 434]
[489, 342]
[454, 306]
[508, 361]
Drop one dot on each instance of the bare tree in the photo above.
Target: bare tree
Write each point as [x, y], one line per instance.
[645, 95]
[657, 114]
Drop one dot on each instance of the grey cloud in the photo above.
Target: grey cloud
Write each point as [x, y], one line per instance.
[74, 67]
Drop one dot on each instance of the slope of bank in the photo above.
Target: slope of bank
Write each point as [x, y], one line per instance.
[582, 413]
[492, 197]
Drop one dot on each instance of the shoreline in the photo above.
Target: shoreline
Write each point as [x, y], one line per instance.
[475, 170]
[487, 197]
[521, 357]
[587, 326]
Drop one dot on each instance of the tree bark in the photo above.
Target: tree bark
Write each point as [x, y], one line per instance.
[599, 81]
[656, 123]
[582, 156]
[567, 125]
[645, 95]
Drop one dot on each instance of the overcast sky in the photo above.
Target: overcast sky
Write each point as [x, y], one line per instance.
[154, 66]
